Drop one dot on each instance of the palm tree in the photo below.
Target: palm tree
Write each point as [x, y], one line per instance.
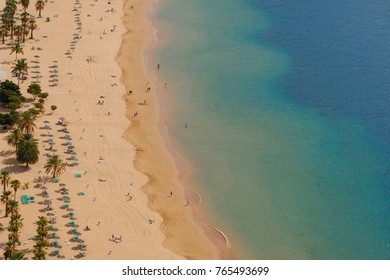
[28, 151]
[26, 186]
[25, 4]
[9, 22]
[39, 6]
[24, 17]
[17, 255]
[5, 198]
[41, 238]
[17, 49]
[55, 165]
[14, 234]
[25, 31]
[13, 138]
[42, 224]
[15, 184]
[33, 26]
[16, 220]
[18, 31]
[20, 67]
[40, 250]
[4, 32]
[5, 178]
[9, 250]
[12, 207]
[10, 7]
[42, 235]
[26, 122]
[12, 23]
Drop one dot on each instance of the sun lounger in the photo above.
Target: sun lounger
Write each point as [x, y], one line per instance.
[78, 175]
[81, 193]
[72, 224]
[56, 180]
[25, 199]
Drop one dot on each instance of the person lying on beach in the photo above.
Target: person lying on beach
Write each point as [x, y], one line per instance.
[116, 239]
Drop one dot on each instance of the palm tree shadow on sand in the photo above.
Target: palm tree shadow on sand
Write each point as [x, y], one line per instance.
[14, 166]
[7, 153]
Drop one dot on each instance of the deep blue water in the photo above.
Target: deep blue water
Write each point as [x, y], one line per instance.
[340, 55]
[286, 106]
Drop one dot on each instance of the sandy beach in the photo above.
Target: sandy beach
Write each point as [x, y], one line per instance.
[120, 181]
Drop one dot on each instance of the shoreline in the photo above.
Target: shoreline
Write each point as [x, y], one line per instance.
[195, 220]
[179, 156]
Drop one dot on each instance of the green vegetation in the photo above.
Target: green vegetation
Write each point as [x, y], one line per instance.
[28, 151]
[10, 95]
[5, 178]
[55, 165]
[17, 49]
[34, 89]
[20, 69]
[26, 122]
[39, 6]
[13, 138]
[41, 242]
[9, 119]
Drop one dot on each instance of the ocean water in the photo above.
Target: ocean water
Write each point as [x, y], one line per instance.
[286, 104]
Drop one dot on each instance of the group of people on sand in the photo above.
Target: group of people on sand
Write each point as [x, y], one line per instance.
[116, 239]
[129, 197]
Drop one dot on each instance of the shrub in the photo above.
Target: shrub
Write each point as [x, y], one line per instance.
[34, 111]
[43, 95]
[38, 105]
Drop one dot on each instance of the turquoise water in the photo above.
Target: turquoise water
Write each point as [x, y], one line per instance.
[287, 121]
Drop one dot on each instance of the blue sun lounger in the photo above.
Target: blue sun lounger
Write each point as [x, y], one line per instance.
[25, 199]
